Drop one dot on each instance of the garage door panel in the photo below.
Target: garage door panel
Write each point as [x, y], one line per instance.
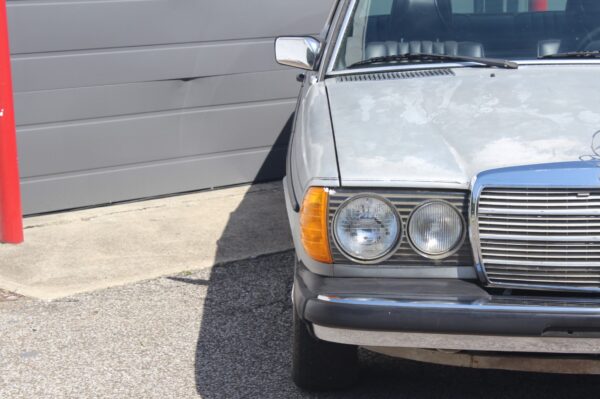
[84, 69]
[76, 104]
[122, 184]
[123, 99]
[91, 145]
[41, 26]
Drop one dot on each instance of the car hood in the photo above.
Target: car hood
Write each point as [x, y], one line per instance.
[442, 130]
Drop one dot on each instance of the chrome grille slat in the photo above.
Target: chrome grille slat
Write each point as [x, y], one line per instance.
[538, 190]
[405, 201]
[540, 237]
[521, 237]
[541, 212]
[548, 273]
[533, 251]
[562, 271]
[496, 261]
[539, 223]
[563, 281]
[540, 218]
[526, 255]
[544, 274]
[542, 204]
[543, 197]
[520, 229]
[550, 244]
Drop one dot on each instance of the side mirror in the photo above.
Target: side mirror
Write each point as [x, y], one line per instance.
[298, 52]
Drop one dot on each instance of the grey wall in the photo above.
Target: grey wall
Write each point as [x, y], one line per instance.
[119, 100]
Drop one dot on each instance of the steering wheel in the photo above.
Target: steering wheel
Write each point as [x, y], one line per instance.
[589, 38]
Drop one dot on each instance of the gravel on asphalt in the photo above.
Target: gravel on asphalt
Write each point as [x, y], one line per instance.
[214, 333]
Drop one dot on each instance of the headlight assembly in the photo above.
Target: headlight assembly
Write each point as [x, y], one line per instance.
[436, 229]
[367, 228]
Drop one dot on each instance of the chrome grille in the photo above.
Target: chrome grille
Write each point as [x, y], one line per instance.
[405, 202]
[540, 237]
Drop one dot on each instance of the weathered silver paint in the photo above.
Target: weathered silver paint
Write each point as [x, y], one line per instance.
[439, 132]
[313, 149]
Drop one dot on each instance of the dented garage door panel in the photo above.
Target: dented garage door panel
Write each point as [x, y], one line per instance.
[120, 100]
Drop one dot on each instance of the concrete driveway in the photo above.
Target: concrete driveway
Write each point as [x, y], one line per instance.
[216, 333]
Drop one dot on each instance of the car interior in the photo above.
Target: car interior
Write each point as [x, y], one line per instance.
[500, 30]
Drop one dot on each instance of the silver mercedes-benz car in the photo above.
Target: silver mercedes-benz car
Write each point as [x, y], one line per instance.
[443, 181]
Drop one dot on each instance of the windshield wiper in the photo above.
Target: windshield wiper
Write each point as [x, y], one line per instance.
[491, 62]
[574, 54]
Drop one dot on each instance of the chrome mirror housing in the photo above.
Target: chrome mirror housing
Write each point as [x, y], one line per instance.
[298, 52]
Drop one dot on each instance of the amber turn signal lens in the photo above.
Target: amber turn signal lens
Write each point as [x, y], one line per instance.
[313, 225]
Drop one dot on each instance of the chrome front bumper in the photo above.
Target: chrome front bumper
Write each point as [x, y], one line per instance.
[444, 314]
[574, 306]
[386, 341]
[572, 340]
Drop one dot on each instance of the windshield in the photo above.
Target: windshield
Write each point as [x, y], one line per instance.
[380, 30]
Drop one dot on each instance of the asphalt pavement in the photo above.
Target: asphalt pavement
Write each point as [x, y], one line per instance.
[220, 332]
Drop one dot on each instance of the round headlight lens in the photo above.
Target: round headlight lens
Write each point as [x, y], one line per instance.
[367, 228]
[436, 229]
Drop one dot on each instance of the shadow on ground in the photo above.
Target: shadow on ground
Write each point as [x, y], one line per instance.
[243, 348]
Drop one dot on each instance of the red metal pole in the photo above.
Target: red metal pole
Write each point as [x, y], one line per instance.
[538, 5]
[11, 223]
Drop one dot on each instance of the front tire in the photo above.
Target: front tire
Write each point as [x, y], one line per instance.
[319, 365]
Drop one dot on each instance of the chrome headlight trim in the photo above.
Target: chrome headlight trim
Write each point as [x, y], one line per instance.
[390, 252]
[458, 244]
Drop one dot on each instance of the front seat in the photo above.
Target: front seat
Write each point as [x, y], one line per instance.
[421, 20]
[380, 49]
